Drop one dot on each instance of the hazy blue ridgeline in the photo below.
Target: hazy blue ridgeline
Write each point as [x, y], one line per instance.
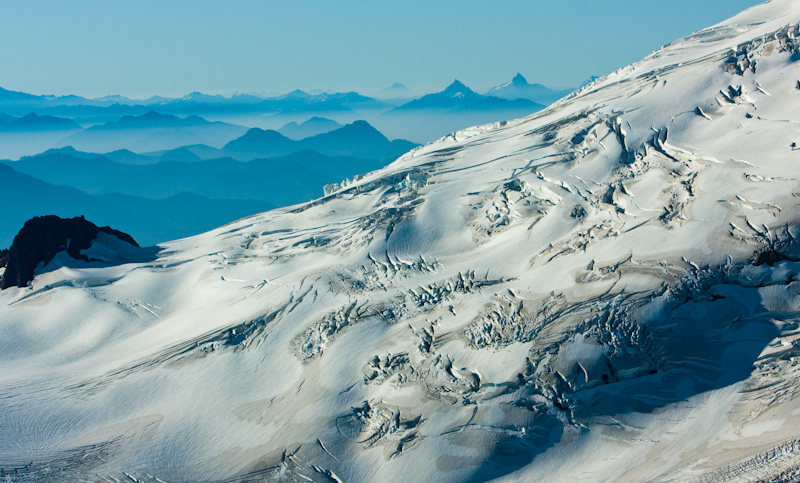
[168, 172]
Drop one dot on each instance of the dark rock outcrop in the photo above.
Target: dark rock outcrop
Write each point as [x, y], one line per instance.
[42, 237]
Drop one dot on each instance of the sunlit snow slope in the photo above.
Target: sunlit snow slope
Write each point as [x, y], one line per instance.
[607, 290]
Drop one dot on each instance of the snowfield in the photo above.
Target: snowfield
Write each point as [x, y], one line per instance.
[607, 290]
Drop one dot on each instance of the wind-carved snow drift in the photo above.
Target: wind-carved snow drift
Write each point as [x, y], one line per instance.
[606, 290]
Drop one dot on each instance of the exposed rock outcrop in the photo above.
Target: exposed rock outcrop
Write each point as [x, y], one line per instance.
[41, 238]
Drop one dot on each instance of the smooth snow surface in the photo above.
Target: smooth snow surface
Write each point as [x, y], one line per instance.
[603, 291]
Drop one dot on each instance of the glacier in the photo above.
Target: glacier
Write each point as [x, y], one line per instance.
[606, 290]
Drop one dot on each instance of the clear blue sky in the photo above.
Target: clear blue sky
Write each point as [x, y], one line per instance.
[171, 47]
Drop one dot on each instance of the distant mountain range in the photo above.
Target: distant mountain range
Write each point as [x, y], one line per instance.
[270, 170]
[148, 220]
[152, 119]
[169, 172]
[30, 124]
[16, 103]
[518, 88]
[199, 97]
[302, 101]
[312, 127]
[34, 122]
[280, 181]
[12, 97]
[153, 131]
[457, 96]
[358, 139]
[456, 107]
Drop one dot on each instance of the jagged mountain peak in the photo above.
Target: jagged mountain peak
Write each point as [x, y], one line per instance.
[457, 88]
[519, 80]
[519, 88]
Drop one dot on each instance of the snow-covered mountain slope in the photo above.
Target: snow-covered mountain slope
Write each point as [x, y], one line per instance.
[607, 290]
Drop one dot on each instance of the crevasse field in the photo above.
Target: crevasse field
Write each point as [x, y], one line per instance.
[607, 290]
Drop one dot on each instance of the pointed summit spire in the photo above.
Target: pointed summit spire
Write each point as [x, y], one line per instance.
[457, 85]
[457, 88]
[519, 80]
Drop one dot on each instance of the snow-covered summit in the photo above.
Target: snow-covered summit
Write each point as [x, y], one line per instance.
[607, 290]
